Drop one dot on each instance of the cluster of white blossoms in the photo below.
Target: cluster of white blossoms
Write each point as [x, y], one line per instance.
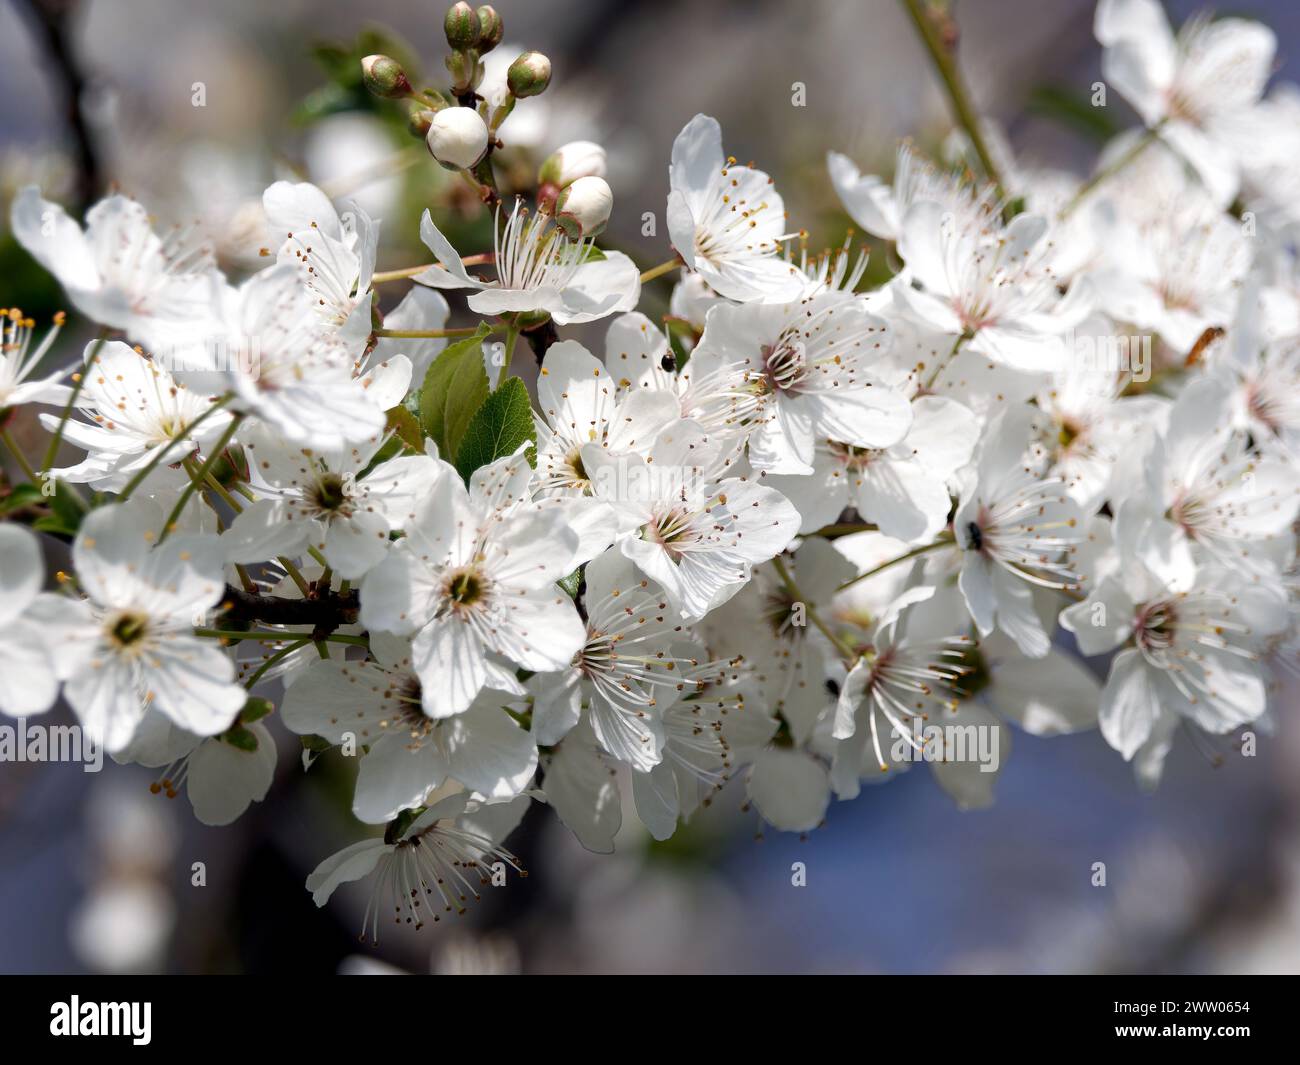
[805, 536]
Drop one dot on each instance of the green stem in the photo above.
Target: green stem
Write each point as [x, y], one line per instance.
[295, 575]
[18, 455]
[277, 657]
[943, 541]
[225, 495]
[154, 462]
[945, 63]
[398, 275]
[660, 270]
[235, 636]
[793, 590]
[956, 347]
[502, 112]
[426, 334]
[204, 470]
[52, 452]
[1143, 143]
[480, 259]
[845, 528]
[512, 337]
[245, 580]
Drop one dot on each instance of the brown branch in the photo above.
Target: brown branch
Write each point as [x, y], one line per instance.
[53, 20]
[325, 612]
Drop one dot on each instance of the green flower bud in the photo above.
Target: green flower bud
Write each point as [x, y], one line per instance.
[461, 66]
[491, 28]
[419, 119]
[529, 75]
[461, 26]
[385, 77]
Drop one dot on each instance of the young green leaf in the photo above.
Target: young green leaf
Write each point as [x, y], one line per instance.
[22, 495]
[406, 428]
[238, 736]
[454, 388]
[502, 423]
[255, 709]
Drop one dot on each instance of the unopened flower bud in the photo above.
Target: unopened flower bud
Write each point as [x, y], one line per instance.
[529, 75]
[577, 159]
[461, 26]
[461, 66]
[583, 208]
[419, 119]
[457, 138]
[385, 77]
[491, 28]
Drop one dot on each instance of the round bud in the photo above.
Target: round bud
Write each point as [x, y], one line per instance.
[571, 161]
[457, 138]
[491, 28]
[583, 208]
[461, 26]
[529, 75]
[385, 77]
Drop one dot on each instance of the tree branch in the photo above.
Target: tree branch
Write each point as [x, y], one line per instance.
[326, 612]
[53, 20]
[939, 35]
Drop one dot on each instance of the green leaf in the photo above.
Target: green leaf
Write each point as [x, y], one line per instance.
[240, 737]
[22, 495]
[501, 424]
[66, 506]
[397, 827]
[571, 583]
[255, 709]
[53, 525]
[406, 428]
[455, 386]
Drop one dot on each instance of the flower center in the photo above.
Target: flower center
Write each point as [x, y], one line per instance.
[465, 587]
[785, 364]
[853, 458]
[1067, 432]
[670, 531]
[779, 613]
[1154, 627]
[574, 461]
[408, 714]
[128, 629]
[329, 492]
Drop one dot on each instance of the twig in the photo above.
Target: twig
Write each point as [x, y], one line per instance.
[945, 63]
[52, 18]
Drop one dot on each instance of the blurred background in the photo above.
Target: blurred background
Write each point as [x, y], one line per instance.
[194, 107]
